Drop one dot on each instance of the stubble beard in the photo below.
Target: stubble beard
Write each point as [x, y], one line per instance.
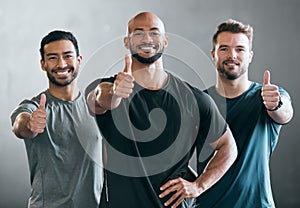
[227, 73]
[54, 81]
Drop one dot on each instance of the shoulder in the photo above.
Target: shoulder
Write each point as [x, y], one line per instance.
[26, 105]
[199, 94]
[34, 101]
[184, 86]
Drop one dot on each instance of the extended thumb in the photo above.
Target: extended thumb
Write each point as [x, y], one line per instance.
[42, 101]
[128, 62]
[267, 77]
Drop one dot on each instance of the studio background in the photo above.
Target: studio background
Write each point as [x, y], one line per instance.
[96, 23]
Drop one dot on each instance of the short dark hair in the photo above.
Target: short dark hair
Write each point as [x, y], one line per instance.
[58, 35]
[233, 26]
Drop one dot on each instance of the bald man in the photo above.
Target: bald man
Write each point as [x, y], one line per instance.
[152, 121]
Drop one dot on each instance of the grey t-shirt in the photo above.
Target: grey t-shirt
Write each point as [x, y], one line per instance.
[65, 160]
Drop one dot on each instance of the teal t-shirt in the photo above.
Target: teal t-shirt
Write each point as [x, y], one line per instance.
[247, 183]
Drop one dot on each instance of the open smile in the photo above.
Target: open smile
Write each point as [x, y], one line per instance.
[62, 72]
[147, 48]
[231, 63]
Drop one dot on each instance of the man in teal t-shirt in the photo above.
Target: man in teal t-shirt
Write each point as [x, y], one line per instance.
[254, 113]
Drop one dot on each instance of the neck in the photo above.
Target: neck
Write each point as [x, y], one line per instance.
[66, 93]
[232, 88]
[149, 76]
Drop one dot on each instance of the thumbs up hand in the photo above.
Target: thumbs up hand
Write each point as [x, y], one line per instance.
[107, 95]
[38, 119]
[124, 82]
[269, 93]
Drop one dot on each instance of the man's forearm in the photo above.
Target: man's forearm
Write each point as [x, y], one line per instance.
[20, 126]
[226, 153]
[284, 114]
[102, 98]
[93, 104]
[216, 168]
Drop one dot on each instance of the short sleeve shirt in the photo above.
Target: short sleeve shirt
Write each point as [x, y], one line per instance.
[149, 139]
[65, 160]
[247, 182]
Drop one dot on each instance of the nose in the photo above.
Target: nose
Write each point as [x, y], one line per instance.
[232, 54]
[147, 37]
[61, 63]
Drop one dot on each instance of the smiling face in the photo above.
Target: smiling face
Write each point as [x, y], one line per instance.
[60, 62]
[146, 38]
[232, 55]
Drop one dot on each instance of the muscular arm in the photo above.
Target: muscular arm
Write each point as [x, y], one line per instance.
[20, 126]
[107, 96]
[101, 98]
[226, 153]
[271, 98]
[28, 125]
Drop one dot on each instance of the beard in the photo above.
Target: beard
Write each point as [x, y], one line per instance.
[227, 73]
[149, 60]
[53, 80]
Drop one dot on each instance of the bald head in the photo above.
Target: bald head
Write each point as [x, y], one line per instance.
[146, 38]
[145, 19]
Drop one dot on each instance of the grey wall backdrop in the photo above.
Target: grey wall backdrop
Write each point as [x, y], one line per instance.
[97, 22]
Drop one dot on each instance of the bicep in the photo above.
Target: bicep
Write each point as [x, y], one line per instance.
[226, 140]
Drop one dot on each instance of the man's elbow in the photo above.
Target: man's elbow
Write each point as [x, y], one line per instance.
[17, 133]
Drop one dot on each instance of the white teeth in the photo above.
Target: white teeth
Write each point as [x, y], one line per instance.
[62, 72]
[146, 48]
[231, 64]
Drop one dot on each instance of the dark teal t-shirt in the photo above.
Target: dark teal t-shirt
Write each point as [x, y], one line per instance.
[247, 183]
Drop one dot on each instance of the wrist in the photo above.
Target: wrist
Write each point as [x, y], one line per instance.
[278, 106]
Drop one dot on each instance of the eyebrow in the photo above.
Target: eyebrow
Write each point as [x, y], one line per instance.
[55, 54]
[238, 46]
[139, 28]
